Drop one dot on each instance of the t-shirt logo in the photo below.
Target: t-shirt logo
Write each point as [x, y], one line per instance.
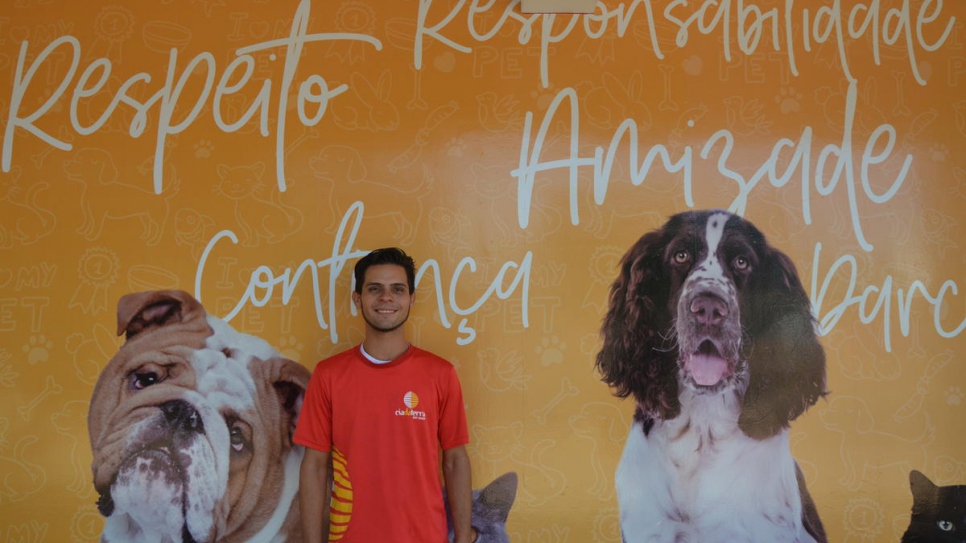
[411, 400]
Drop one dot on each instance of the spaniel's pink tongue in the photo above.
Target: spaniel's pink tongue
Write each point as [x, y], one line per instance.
[706, 369]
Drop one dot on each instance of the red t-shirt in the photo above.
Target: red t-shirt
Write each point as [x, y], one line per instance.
[384, 425]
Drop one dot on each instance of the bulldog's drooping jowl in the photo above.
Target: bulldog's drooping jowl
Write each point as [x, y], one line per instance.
[191, 429]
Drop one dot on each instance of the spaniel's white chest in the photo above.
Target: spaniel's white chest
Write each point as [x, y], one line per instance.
[702, 483]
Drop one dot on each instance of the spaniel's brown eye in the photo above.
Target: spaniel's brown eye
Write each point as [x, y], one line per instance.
[741, 263]
[681, 257]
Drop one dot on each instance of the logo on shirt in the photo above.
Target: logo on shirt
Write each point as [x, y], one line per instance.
[411, 400]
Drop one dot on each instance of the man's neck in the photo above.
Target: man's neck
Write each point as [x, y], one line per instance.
[385, 346]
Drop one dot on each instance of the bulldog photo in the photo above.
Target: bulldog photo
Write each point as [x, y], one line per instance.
[191, 428]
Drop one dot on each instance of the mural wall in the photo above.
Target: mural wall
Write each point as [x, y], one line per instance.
[249, 152]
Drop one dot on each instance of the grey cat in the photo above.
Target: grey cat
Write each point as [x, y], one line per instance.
[491, 507]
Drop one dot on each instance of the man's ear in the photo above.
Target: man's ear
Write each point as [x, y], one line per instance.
[355, 299]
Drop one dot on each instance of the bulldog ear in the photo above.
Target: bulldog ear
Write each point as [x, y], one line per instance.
[141, 310]
[290, 379]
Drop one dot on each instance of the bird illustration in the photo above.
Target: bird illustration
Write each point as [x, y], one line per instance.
[745, 117]
[498, 113]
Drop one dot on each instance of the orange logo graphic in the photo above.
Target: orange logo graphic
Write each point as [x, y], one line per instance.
[411, 400]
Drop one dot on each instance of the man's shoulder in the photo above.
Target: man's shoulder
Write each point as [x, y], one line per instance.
[338, 359]
[430, 357]
[432, 362]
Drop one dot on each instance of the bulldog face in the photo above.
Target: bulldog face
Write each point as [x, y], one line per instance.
[190, 426]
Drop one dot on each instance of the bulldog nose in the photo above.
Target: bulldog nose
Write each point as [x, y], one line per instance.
[180, 414]
[708, 309]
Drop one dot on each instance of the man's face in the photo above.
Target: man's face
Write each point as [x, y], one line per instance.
[385, 300]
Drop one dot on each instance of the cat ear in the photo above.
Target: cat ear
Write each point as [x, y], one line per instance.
[920, 483]
[925, 494]
[496, 498]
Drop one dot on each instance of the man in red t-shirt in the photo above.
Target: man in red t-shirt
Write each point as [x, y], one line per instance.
[380, 413]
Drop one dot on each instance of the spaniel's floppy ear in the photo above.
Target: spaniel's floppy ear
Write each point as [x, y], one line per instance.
[786, 360]
[636, 359]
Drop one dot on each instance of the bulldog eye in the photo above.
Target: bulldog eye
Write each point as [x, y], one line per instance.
[239, 435]
[680, 257]
[237, 438]
[945, 525]
[142, 380]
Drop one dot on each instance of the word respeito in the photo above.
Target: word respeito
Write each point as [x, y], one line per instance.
[313, 94]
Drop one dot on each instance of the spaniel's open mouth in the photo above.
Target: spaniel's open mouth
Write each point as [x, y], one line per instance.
[706, 365]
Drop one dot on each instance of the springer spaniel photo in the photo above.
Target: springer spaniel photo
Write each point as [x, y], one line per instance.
[710, 331]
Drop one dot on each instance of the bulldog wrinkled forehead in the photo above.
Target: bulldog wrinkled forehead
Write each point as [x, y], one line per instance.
[223, 366]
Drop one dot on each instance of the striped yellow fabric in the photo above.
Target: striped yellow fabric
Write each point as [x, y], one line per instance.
[340, 510]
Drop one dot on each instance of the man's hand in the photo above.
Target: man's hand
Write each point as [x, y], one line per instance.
[459, 492]
[314, 495]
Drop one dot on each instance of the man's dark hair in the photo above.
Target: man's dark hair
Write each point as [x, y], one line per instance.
[387, 255]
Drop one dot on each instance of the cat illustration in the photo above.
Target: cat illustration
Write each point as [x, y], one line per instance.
[491, 507]
[938, 512]
[259, 210]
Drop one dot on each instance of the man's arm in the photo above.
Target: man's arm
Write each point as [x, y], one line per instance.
[314, 495]
[459, 492]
